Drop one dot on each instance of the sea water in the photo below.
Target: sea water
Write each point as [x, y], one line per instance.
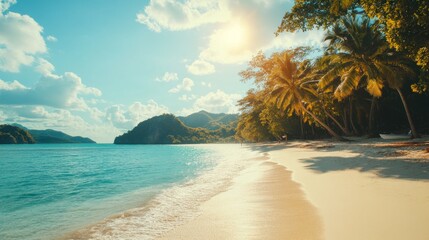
[106, 191]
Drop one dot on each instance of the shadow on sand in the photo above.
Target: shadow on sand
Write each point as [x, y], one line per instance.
[264, 148]
[366, 161]
[384, 168]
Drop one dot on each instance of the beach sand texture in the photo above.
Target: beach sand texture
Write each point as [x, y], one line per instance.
[318, 191]
[263, 203]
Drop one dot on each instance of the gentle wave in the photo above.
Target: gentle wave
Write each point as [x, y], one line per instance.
[173, 205]
[141, 192]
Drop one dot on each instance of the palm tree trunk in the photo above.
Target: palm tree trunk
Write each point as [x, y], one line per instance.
[330, 131]
[351, 117]
[360, 119]
[407, 111]
[345, 119]
[372, 133]
[343, 129]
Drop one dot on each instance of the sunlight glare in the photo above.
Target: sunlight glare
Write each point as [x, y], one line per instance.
[234, 36]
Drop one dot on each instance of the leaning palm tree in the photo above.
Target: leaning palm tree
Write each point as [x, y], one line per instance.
[290, 91]
[360, 56]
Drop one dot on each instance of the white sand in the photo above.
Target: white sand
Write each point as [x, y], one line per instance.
[347, 192]
[263, 203]
[360, 195]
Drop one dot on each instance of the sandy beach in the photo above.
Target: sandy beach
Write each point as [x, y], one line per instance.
[365, 189]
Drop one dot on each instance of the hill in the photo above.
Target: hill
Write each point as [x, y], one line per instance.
[14, 135]
[168, 129]
[53, 136]
[211, 121]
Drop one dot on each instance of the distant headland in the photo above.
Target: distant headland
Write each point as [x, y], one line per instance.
[200, 127]
[18, 134]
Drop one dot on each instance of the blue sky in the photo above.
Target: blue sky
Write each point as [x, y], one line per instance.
[97, 68]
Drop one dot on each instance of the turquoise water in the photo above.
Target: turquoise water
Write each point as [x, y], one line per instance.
[52, 191]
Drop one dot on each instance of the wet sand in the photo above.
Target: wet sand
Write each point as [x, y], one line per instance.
[262, 203]
[319, 191]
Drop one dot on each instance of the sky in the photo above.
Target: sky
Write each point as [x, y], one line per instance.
[97, 68]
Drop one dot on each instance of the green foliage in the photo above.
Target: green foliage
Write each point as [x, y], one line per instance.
[168, 129]
[363, 57]
[293, 89]
[287, 89]
[212, 121]
[405, 23]
[52, 136]
[311, 14]
[250, 127]
[14, 135]
[359, 56]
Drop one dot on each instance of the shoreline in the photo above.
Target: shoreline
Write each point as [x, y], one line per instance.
[248, 210]
[320, 190]
[175, 204]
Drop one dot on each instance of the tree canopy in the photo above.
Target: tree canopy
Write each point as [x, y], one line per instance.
[405, 22]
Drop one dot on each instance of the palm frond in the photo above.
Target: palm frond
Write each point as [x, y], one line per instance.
[374, 87]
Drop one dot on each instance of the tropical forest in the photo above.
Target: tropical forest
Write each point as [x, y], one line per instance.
[370, 77]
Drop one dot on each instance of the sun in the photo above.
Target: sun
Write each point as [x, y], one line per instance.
[233, 42]
[235, 35]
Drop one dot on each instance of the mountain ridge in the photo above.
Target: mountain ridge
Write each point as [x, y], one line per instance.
[14, 135]
[211, 121]
[169, 129]
[53, 136]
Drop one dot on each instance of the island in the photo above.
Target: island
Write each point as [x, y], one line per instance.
[168, 129]
[18, 134]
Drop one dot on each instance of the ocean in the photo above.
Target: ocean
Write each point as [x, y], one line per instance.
[106, 191]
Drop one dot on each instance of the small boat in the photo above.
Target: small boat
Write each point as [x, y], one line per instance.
[391, 136]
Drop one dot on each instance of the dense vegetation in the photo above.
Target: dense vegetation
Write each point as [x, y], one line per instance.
[52, 136]
[14, 135]
[211, 121]
[369, 79]
[405, 24]
[168, 129]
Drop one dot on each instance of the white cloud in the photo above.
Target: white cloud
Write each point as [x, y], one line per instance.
[168, 77]
[186, 85]
[230, 44]
[20, 40]
[5, 4]
[269, 3]
[43, 118]
[215, 102]
[237, 37]
[46, 68]
[51, 38]
[206, 84]
[39, 117]
[63, 92]
[127, 118]
[12, 86]
[177, 15]
[201, 67]
[186, 97]
[233, 43]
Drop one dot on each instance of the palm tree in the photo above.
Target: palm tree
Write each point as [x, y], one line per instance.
[360, 56]
[289, 89]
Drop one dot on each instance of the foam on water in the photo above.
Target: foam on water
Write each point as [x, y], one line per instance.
[109, 192]
[173, 205]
